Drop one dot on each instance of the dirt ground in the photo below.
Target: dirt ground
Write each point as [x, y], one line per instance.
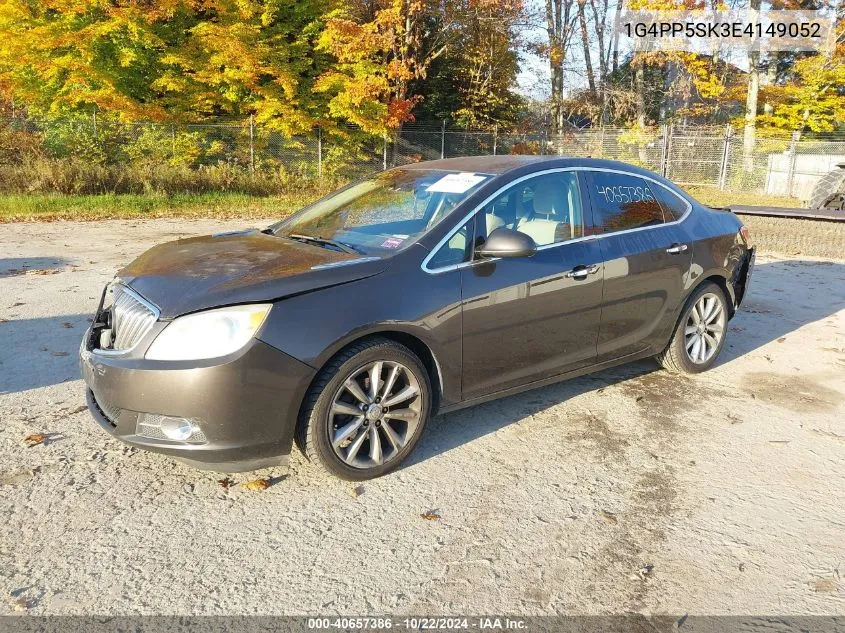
[629, 490]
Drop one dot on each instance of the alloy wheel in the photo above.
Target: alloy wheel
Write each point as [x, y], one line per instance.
[374, 414]
[704, 328]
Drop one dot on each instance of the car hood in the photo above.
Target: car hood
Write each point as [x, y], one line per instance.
[217, 270]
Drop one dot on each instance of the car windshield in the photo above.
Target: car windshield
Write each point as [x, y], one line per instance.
[384, 213]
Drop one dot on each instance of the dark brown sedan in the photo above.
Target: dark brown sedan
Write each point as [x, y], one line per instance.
[424, 288]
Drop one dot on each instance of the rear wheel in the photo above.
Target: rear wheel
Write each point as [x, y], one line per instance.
[366, 410]
[700, 333]
[827, 189]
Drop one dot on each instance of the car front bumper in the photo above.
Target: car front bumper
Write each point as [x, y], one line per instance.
[246, 405]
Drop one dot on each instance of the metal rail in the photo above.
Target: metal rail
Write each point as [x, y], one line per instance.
[826, 215]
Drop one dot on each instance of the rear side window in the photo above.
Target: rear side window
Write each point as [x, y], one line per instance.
[673, 206]
[623, 202]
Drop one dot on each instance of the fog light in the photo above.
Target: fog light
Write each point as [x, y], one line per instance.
[166, 427]
[177, 428]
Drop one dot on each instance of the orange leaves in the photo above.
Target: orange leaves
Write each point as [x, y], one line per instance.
[399, 111]
[34, 439]
[368, 84]
[256, 485]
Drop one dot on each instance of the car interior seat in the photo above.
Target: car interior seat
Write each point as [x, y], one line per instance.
[550, 220]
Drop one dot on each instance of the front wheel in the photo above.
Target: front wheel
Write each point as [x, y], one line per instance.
[700, 333]
[366, 410]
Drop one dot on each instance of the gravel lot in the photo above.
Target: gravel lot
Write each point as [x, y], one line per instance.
[629, 490]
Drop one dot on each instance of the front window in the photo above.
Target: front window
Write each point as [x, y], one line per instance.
[382, 214]
[546, 207]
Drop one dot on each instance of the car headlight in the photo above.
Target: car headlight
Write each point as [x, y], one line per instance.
[208, 334]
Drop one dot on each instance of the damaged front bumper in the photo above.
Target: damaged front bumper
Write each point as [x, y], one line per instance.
[244, 406]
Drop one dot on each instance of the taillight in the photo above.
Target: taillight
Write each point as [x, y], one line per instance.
[746, 235]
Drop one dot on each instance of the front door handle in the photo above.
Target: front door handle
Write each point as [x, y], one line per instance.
[581, 272]
[676, 248]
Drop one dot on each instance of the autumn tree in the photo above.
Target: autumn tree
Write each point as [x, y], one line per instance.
[163, 60]
[812, 96]
[560, 24]
[381, 48]
[485, 62]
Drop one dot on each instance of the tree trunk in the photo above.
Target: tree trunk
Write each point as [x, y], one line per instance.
[771, 79]
[615, 38]
[556, 25]
[585, 42]
[639, 88]
[749, 137]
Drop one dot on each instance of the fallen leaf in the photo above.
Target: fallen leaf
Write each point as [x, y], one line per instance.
[742, 567]
[781, 339]
[20, 604]
[639, 398]
[44, 271]
[257, 484]
[18, 303]
[226, 482]
[431, 515]
[608, 517]
[60, 354]
[67, 324]
[357, 491]
[34, 439]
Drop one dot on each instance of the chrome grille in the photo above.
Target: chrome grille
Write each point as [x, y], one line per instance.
[132, 317]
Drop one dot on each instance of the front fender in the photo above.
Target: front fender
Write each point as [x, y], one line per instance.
[314, 327]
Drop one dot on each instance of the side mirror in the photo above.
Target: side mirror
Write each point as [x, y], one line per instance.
[504, 242]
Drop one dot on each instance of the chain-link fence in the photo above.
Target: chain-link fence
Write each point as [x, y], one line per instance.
[243, 155]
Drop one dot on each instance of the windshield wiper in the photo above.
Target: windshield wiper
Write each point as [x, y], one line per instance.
[323, 241]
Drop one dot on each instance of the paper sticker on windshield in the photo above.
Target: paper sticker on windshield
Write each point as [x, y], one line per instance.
[392, 242]
[455, 183]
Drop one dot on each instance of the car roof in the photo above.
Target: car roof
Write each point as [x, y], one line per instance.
[500, 164]
[484, 164]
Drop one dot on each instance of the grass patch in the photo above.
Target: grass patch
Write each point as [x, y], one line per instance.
[48, 207]
[223, 205]
[714, 197]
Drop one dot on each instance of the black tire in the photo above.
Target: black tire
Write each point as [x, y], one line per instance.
[675, 357]
[828, 186]
[315, 426]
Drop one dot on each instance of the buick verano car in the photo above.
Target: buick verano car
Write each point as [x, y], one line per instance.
[423, 288]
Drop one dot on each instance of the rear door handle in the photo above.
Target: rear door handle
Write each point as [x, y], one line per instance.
[581, 272]
[677, 248]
